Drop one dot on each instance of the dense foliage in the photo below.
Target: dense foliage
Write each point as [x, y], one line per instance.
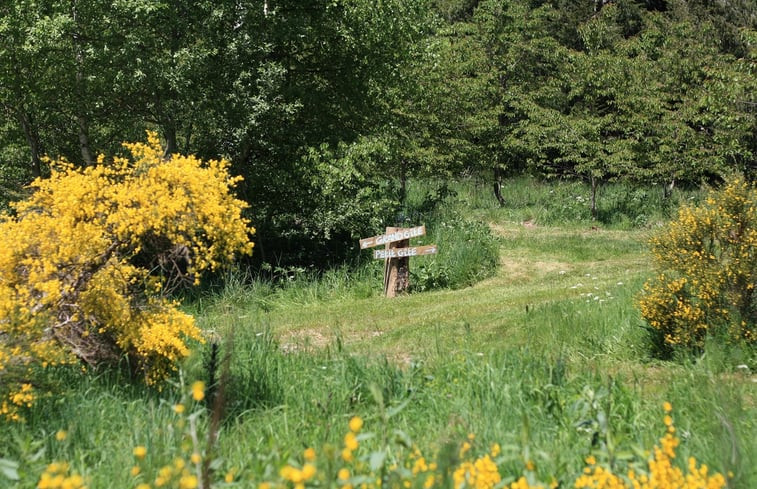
[707, 271]
[643, 91]
[327, 108]
[87, 260]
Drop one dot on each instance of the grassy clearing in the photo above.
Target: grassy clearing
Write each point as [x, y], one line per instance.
[546, 357]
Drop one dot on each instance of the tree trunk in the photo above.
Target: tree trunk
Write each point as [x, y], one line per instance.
[594, 187]
[667, 189]
[86, 153]
[403, 182]
[498, 186]
[32, 139]
[82, 122]
[172, 146]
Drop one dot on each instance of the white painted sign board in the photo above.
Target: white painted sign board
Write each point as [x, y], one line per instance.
[392, 237]
[403, 252]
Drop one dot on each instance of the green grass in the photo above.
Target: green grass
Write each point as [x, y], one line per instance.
[546, 356]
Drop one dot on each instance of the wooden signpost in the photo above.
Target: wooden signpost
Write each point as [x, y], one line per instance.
[396, 253]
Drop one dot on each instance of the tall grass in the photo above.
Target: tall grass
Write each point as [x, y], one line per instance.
[540, 405]
[547, 357]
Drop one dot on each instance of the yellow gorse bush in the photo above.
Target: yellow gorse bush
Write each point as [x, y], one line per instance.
[707, 263]
[86, 262]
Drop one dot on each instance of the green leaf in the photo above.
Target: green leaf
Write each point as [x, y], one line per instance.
[377, 460]
[9, 469]
[395, 410]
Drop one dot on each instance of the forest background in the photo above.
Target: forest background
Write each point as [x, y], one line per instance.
[346, 116]
[328, 108]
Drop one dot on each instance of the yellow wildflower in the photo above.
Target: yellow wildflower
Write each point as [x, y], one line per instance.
[198, 390]
[356, 424]
[350, 441]
[188, 481]
[308, 471]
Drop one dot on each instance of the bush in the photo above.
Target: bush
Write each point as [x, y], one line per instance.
[468, 253]
[88, 260]
[707, 266]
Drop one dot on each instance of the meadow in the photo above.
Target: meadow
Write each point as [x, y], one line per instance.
[520, 340]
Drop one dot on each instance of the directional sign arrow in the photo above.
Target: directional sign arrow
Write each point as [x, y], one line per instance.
[367, 243]
[404, 252]
[399, 234]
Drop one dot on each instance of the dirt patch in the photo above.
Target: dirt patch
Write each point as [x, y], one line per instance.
[515, 268]
[506, 231]
[308, 340]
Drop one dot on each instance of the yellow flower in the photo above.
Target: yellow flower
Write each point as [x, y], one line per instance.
[464, 449]
[350, 441]
[347, 455]
[309, 454]
[343, 474]
[135, 471]
[291, 474]
[178, 408]
[198, 390]
[143, 486]
[188, 482]
[308, 471]
[429, 482]
[667, 406]
[264, 485]
[61, 435]
[196, 458]
[356, 424]
[229, 478]
[495, 449]
[139, 452]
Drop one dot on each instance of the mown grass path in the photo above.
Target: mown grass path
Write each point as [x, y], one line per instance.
[561, 300]
[539, 269]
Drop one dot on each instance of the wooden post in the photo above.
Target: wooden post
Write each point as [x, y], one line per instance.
[396, 270]
[397, 253]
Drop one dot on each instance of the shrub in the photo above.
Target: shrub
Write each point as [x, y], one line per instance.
[88, 260]
[707, 266]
